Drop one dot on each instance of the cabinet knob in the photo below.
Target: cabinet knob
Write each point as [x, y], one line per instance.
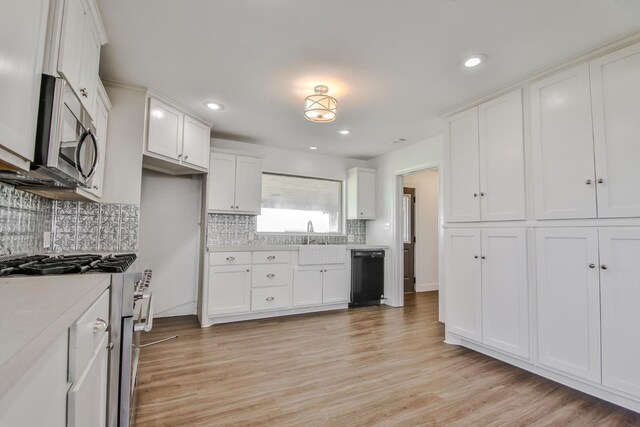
[95, 187]
[271, 275]
[270, 298]
[592, 266]
[481, 194]
[84, 92]
[179, 156]
[604, 266]
[588, 182]
[600, 180]
[186, 157]
[483, 257]
[231, 258]
[110, 346]
[272, 257]
[231, 206]
[99, 326]
[475, 194]
[237, 207]
[475, 256]
[361, 213]
[248, 270]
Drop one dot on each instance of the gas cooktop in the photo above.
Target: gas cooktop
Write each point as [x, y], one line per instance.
[43, 265]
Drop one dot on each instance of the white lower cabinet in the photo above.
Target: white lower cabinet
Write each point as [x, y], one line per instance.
[487, 288]
[229, 289]
[568, 293]
[307, 285]
[620, 300]
[270, 298]
[335, 284]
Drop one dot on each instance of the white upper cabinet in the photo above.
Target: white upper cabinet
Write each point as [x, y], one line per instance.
[505, 290]
[196, 142]
[462, 186]
[562, 146]
[569, 301]
[361, 193]
[620, 298]
[615, 94]
[463, 276]
[485, 162]
[23, 26]
[235, 184]
[176, 143]
[502, 193]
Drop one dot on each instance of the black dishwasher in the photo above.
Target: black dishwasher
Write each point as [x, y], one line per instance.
[367, 277]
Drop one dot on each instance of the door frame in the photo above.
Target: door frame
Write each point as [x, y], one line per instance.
[397, 262]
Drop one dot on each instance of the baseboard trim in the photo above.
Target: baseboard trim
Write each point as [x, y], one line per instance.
[427, 287]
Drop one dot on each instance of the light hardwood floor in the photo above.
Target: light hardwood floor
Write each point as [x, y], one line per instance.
[361, 367]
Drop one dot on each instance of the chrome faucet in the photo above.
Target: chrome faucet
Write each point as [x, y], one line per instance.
[309, 230]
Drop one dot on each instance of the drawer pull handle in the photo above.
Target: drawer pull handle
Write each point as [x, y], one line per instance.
[271, 257]
[99, 326]
[231, 258]
[271, 275]
[270, 298]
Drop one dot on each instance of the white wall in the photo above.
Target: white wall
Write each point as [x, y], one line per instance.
[125, 138]
[170, 239]
[293, 162]
[386, 229]
[427, 186]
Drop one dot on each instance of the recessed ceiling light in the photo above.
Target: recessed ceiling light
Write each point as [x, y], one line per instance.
[313, 148]
[473, 61]
[344, 132]
[214, 106]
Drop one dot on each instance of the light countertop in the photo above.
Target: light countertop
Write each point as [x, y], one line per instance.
[34, 312]
[256, 248]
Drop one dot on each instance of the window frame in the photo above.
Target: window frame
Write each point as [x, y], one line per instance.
[343, 212]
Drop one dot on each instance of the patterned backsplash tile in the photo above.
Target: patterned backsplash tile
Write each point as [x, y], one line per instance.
[74, 226]
[241, 230]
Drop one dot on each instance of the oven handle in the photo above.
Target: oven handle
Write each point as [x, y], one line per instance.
[148, 322]
[94, 164]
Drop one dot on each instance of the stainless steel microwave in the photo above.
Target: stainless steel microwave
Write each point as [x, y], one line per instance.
[66, 148]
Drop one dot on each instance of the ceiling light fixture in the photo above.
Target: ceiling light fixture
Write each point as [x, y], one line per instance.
[313, 148]
[320, 108]
[473, 61]
[214, 106]
[344, 132]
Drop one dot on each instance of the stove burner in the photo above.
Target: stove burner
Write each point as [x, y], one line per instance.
[65, 264]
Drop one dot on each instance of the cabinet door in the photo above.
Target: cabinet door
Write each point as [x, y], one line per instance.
[569, 301]
[248, 185]
[615, 91]
[562, 146]
[229, 289]
[502, 194]
[620, 299]
[307, 286]
[505, 293]
[222, 182]
[462, 168]
[164, 135]
[196, 143]
[89, 66]
[463, 283]
[366, 195]
[87, 398]
[335, 284]
[23, 26]
[72, 43]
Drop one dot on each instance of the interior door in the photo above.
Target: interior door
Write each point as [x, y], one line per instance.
[505, 292]
[620, 294]
[569, 300]
[222, 182]
[615, 89]
[248, 185]
[562, 146]
[307, 285]
[335, 284]
[409, 237]
[196, 142]
[463, 173]
[164, 136]
[502, 193]
[229, 289]
[463, 303]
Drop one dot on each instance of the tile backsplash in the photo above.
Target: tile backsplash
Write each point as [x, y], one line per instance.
[74, 226]
[241, 230]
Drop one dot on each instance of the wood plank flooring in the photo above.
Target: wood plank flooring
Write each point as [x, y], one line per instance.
[363, 367]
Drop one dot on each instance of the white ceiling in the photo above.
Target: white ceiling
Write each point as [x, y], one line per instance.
[394, 66]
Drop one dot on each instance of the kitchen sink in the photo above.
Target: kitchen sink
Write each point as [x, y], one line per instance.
[322, 254]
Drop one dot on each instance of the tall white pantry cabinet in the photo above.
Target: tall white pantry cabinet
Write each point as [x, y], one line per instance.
[542, 226]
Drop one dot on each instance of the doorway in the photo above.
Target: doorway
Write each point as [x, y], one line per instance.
[421, 231]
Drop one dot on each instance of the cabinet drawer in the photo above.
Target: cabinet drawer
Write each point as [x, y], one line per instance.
[229, 258]
[85, 335]
[270, 275]
[270, 298]
[277, 257]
